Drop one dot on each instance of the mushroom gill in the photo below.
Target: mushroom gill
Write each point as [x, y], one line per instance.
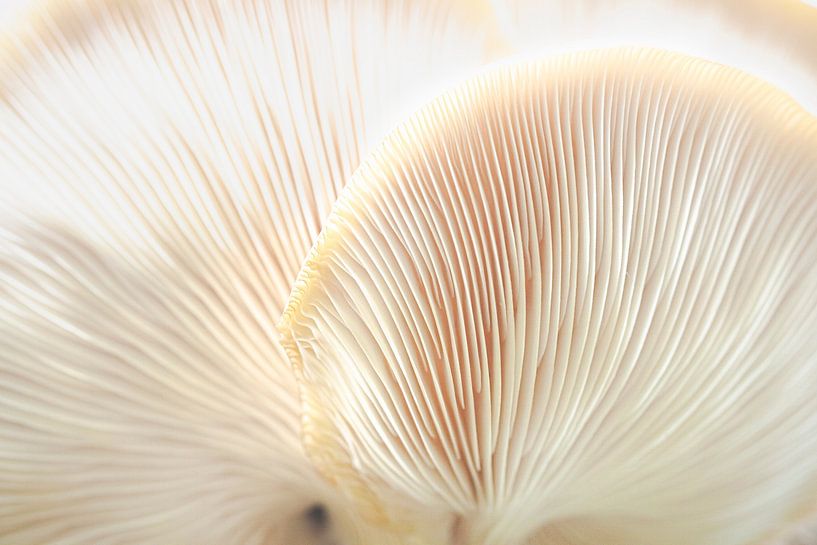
[574, 298]
[165, 166]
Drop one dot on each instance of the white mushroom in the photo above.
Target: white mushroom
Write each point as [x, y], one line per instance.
[164, 168]
[575, 298]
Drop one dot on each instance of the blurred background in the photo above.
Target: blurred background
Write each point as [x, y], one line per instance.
[8, 8]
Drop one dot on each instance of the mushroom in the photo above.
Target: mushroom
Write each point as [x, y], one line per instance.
[165, 167]
[574, 301]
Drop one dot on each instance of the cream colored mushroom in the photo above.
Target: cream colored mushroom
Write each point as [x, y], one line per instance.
[574, 299]
[165, 166]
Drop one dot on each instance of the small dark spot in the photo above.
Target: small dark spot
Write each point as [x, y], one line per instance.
[317, 517]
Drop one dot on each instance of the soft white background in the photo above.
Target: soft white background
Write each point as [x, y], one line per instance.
[8, 9]
[7, 6]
